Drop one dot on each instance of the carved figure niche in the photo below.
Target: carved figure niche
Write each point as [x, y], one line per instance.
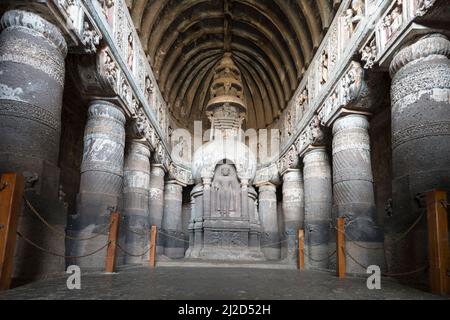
[226, 192]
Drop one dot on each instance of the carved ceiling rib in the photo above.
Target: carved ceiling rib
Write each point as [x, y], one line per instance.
[272, 41]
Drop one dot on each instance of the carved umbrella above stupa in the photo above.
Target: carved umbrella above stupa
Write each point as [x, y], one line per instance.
[226, 110]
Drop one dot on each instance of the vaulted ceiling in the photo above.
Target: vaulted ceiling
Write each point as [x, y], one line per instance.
[272, 43]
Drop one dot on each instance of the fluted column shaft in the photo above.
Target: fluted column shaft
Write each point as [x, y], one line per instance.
[101, 179]
[136, 193]
[172, 220]
[156, 202]
[269, 221]
[293, 210]
[420, 118]
[353, 192]
[318, 203]
[32, 69]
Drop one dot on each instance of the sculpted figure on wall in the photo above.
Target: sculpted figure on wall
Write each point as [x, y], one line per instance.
[353, 16]
[301, 104]
[130, 52]
[149, 87]
[107, 5]
[225, 191]
[393, 21]
[369, 54]
[324, 68]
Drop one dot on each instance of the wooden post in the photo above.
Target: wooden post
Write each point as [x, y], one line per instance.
[110, 261]
[152, 246]
[340, 247]
[11, 191]
[301, 249]
[438, 254]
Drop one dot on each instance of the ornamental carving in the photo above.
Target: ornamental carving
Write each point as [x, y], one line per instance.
[312, 135]
[349, 89]
[181, 175]
[142, 128]
[369, 54]
[423, 6]
[289, 160]
[91, 38]
[110, 69]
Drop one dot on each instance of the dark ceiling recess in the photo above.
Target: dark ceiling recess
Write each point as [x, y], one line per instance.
[271, 41]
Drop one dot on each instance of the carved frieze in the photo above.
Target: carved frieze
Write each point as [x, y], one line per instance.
[422, 6]
[180, 174]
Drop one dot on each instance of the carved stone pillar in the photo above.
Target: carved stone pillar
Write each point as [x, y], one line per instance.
[318, 203]
[136, 188]
[101, 180]
[353, 192]
[244, 198]
[420, 144]
[293, 210]
[207, 197]
[172, 220]
[156, 202]
[196, 225]
[269, 221]
[32, 69]
[254, 241]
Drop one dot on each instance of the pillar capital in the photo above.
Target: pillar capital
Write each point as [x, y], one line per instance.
[36, 24]
[138, 147]
[106, 109]
[314, 154]
[267, 187]
[158, 170]
[173, 186]
[429, 45]
[292, 175]
[351, 121]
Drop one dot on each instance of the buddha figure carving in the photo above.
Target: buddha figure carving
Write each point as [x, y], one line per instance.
[226, 192]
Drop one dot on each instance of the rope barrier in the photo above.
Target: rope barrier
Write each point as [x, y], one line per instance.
[58, 254]
[402, 235]
[384, 273]
[355, 242]
[319, 260]
[142, 234]
[173, 237]
[131, 254]
[58, 232]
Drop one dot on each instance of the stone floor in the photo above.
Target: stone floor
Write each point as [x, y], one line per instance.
[208, 283]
